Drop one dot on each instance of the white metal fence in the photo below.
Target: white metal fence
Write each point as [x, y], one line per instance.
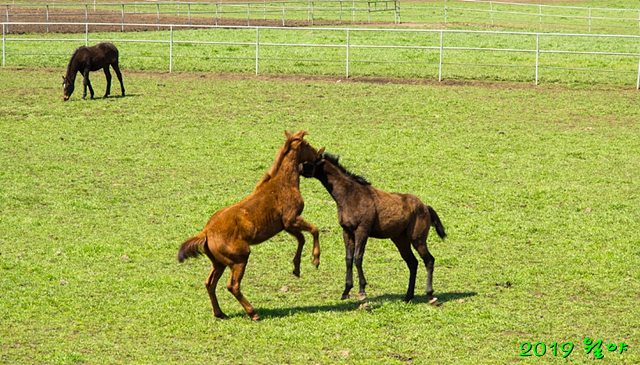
[541, 16]
[328, 10]
[442, 47]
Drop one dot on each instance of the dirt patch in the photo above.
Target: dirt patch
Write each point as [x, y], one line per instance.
[133, 22]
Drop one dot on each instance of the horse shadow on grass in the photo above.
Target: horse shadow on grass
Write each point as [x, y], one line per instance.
[352, 305]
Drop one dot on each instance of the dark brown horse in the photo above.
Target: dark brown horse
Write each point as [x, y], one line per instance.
[86, 59]
[364, 211]
[274, 205]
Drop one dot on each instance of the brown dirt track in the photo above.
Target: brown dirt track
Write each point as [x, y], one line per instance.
[71, 15]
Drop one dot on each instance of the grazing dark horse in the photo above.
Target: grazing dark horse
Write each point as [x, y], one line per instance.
[364, 211]
[86, 59]
[274, 205]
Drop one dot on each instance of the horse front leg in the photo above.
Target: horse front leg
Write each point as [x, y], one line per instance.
[349, 248]
[299, 224]
[360, 243]
[298, 256]
[86, 83]
[107, 74]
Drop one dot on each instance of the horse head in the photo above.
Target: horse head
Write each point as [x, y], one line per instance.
[306, 152]
[67, 87]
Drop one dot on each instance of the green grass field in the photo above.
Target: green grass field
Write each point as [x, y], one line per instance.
[537, 187]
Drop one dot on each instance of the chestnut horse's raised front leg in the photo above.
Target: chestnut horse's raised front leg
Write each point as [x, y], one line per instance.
[294, 227]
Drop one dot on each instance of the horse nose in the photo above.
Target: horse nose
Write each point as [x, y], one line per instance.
[65, 98]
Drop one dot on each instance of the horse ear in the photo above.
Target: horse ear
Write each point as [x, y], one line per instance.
[321, 151]
[301, 133]
[287, 134]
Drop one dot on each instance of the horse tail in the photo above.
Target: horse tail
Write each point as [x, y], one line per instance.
[193, 247]
[435, 221]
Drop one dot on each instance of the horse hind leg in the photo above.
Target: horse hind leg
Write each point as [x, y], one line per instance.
[237, 272]
[116, 68]
[210, 284]
[107, 74]
[420, 245]
[404, 247]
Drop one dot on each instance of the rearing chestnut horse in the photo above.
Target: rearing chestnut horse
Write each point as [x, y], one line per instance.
[364, 211]
[274, 205]
[86, 59]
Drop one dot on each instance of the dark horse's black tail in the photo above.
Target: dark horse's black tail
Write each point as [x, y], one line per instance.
[435, 221]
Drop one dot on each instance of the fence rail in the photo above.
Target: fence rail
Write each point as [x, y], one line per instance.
[442, 46]
[328, 10]
[542, 16]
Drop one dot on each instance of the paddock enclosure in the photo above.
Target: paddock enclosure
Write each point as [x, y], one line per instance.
[537, 186]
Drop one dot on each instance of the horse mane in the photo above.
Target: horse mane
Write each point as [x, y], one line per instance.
[282, 151]
[73, 56]
[334, 160]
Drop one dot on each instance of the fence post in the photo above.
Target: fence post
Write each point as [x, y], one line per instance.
[312, 8]
[3, 49]
[7, 18]
[491, 5]
[123, 17]
[158, 12]
[540, 17]
[170, 48]
[47, 18]
[257, 47]
[445, 11]
[440, 64]
[637, 80]
[86, 13]
[368, 11]
[216, 14]
[537, 55]
[353, 12]
[347, 53]
[340, 14]
[248, 13]
[189, 14]
[283, 13]
[264, 9]
[589, 20]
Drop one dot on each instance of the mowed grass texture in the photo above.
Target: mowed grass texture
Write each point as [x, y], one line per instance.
[537, 188]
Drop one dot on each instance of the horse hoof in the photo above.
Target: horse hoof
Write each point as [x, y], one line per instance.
[296, 273]
[433, 301]
[407, 299]
[344, 296]
[221, 316]
[362, 296]
[255, 317]
[316, 263]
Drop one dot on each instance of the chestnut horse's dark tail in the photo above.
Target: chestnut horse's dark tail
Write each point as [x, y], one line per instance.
[435, 221]
[193, 247]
